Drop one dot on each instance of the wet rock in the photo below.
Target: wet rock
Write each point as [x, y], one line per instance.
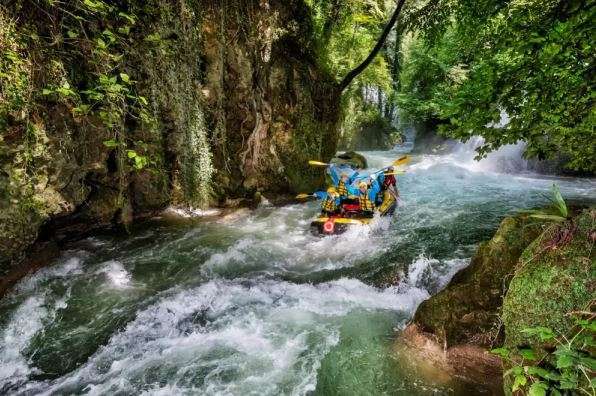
[470, 364]
[467, 310]
[352, 158]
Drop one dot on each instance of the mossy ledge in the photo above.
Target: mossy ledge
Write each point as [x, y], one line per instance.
[525, 276]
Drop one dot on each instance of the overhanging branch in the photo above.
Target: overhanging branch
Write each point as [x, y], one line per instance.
[360, 68]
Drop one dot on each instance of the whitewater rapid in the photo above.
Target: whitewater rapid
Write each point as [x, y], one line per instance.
[252, 303]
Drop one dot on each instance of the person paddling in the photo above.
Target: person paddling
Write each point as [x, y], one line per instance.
[366, 195]
[341, 177]
[390, 193]
[330, 201]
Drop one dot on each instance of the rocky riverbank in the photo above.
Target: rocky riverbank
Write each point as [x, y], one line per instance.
[531, 273]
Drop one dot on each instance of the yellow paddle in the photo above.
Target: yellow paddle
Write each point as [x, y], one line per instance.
[395, 173]
[402, 160]
[304, 196]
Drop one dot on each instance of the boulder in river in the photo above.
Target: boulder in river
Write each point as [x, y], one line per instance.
[531, 273]
[352, 158]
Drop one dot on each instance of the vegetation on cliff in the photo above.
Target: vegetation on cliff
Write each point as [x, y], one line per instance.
[109, 111]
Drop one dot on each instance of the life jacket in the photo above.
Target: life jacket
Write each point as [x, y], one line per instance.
[365, 203]
[329, 205]
[341, 189]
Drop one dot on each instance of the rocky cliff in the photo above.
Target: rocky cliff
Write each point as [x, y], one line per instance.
[110, 111]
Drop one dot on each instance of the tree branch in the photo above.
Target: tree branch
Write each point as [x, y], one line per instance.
[360, 68]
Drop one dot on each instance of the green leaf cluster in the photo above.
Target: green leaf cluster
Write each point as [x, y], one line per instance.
[472, 65]
[568, 367]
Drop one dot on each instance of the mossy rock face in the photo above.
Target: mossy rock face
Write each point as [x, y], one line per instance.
[237, 100]
[466, 311]
[555, 276]
[352, 158]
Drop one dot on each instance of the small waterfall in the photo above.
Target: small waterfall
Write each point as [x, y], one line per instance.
[507, 159]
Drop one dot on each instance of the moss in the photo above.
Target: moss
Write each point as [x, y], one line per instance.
[208, 75]
[467, 310]
[550, 282]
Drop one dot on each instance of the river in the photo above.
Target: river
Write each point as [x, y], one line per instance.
[252, 303]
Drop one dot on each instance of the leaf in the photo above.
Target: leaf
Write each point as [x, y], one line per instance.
[128, 17]
[588, 362]
[543, 373]
[47, 91]
[143, 100]
[527, 354]
[538, 388]
[544, 333]
[131, 153]
[72, 34]
[559, 201]
[548, 217]
[515, 370]
[110, 143]
[519, 381]
[125, 77]
[502, 352]
[564, 361]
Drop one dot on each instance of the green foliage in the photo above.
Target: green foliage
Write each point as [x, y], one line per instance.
[558, 212]
[345, 32]
[531, 60]
[569, 367]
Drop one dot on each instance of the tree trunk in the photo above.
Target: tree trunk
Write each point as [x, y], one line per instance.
[380, 42]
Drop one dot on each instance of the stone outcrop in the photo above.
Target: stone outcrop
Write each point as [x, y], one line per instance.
[531, 273]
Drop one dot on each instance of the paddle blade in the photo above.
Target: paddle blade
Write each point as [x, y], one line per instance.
[402, 160]
[395, 173]
[317, 163]
[303, 196]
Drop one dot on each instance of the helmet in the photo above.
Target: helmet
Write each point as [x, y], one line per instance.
[331, 190]
[363, 184]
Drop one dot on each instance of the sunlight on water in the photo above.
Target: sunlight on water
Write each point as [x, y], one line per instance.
[251, 302]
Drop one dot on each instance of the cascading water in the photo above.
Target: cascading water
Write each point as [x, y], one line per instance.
[251, 303]
[507, 159]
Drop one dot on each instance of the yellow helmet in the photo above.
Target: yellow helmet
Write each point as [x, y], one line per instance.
[362, 184]
[331, 190]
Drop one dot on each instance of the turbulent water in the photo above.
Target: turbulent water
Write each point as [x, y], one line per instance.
[251, 303]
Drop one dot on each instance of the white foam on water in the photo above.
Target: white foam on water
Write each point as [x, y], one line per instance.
[184, 212]
[231, 337]
[66, 268]
[24, 323]
[279, 239]
[115, 273]
[425, 270]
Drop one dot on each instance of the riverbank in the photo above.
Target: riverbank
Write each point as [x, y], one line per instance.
[531, 273]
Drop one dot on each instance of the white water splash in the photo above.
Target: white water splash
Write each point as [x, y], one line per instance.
[24, 323]
[115, 273]
[238, 337]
